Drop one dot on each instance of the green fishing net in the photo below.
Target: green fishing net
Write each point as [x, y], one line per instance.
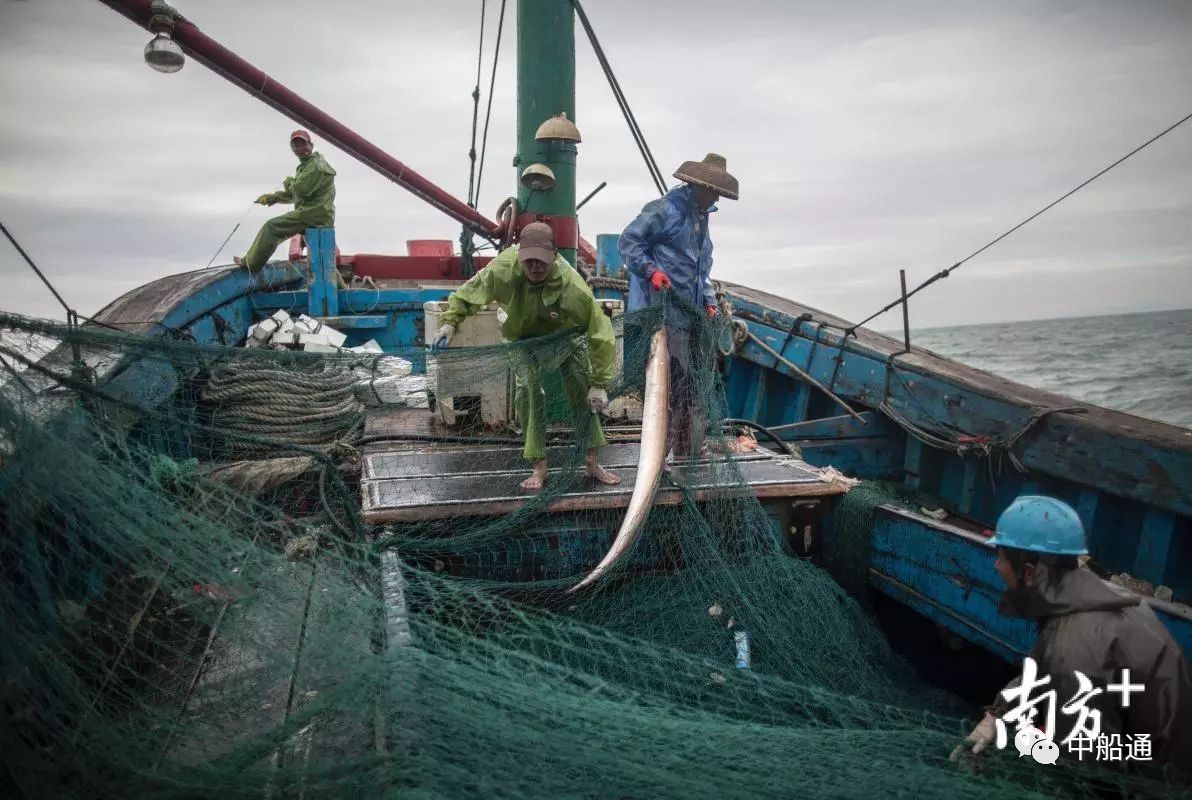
[192, 603]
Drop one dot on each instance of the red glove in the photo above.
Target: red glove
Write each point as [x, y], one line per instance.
[713, 311]
[659, 280]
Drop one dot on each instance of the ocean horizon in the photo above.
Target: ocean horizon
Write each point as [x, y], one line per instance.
[1137, 362]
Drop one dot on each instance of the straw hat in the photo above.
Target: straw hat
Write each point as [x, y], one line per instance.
[711, 173]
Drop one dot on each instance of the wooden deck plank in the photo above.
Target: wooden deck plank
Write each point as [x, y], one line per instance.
[413, 490]
[426, 462]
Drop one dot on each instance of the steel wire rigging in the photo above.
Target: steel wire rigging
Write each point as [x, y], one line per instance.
[944, 273]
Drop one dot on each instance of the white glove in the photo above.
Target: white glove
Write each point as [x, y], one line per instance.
[979, 739]
[597, 399]
[443, 337]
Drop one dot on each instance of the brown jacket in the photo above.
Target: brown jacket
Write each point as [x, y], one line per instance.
[1085, 624]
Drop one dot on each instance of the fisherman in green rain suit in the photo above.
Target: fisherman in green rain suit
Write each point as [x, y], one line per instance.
[542, 294]
[311, 190]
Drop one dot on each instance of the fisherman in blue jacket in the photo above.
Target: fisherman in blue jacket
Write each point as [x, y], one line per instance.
[668, 248]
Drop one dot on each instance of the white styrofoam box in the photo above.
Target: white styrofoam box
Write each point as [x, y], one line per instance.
[251, 339]
[309, 324]
[317, 347]
[478, 330]
[314, 338]
[384, 381]
[283, 319]
[285, 338]
[334, 337]
[393, 367]
[495, 393]
[260, 333]
[390, 366]
[405, 390]
[370, 346]
[265, 328]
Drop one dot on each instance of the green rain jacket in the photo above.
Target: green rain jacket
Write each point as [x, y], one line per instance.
[562, 302]
[312, 191]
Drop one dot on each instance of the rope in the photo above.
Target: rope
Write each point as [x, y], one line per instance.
[983, 446]
[605, 282]
[476, 109]
[72, 316]
[619, 95]
[947, 272]
[489, 111]
[291, 408]
[1039, 415]
[40, 274]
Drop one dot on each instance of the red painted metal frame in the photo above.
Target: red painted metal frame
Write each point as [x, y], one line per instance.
[435, 268]
[566, 228]
[224, 62]
[566, 233]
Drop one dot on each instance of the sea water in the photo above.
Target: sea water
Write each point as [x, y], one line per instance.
[1137, 363]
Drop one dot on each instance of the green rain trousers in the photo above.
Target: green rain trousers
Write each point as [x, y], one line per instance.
[529, 399]
[562, 302]
[312, 191]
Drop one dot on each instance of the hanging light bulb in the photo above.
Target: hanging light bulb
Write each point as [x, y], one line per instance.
[163, 53]
[538, 177]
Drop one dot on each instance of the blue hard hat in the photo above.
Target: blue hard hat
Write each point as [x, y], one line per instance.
[1041, 525]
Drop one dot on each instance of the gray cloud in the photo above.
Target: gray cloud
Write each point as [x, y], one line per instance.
[866, 138]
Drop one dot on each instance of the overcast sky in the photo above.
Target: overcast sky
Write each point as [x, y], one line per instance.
[866, 138]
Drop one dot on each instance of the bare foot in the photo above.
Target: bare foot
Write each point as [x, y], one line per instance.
[598, 473]
[538, 479]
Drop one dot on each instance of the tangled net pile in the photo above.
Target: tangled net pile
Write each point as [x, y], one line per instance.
[191, 605]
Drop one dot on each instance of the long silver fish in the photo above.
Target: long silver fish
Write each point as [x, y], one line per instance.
[650, 458]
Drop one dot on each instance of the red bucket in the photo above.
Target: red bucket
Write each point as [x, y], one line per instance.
[441, 248]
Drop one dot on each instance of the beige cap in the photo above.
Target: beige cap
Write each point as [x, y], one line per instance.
[537, 242]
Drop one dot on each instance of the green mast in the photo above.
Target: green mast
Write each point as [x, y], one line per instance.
[546, 88]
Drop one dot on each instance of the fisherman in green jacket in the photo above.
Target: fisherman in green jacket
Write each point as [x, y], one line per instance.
[543, 294]
[311, 190]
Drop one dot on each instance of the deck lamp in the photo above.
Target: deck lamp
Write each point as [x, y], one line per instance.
[558, 129]
[162, 53]
[538, 178]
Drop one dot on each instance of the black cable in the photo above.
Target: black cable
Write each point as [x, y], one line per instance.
[946, 272]
[763, 429]
[489, 112]
[40, 274]
[476, 108]
[71, 314]
[619, 95]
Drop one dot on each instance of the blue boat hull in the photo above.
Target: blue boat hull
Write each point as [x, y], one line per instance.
[1130, 479]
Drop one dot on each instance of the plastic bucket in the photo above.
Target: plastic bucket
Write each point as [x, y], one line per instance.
[430, 247]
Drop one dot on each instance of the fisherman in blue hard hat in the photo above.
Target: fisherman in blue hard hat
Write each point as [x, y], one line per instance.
[1088, 625]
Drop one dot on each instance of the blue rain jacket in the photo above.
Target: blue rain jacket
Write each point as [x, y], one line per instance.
[671, 234]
